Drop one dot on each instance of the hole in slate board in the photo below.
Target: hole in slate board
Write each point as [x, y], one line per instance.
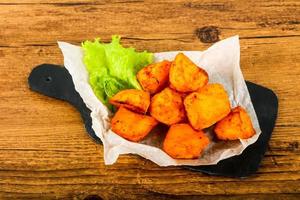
[48, 79]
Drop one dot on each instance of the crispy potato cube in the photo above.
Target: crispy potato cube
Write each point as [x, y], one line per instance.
[185, 76]
[182, 141]
[132, 126]
[154, 77]
[135, 100]
[167, 107]
[182, 94]
[207, 106]
[236, 125]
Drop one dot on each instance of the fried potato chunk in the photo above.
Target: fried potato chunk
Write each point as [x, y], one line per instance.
[207, 106]
[154, 77]
[185, 76]
[167, 107]
[182, 141]
[132, 126]
[236, 125]
[135, 100]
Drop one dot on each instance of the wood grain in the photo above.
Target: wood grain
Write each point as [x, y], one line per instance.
[44, 150]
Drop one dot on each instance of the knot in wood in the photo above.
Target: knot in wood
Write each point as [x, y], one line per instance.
[92, 197]
[208, 34]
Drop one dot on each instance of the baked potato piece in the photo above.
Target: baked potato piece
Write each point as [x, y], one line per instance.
[167, 107]
[135, 100]
[182, 141]
[132, 126]
[154, 77]
[185, 76]
[236, 125]
[207, 106]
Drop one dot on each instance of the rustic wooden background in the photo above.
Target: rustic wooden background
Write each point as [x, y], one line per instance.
[45, 152]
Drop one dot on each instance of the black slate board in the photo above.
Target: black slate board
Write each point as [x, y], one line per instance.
[55, 81]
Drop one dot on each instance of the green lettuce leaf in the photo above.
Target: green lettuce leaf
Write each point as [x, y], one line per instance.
[112, 67]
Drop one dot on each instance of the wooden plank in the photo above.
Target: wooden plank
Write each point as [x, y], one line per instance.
[46, 23]
[64, 151]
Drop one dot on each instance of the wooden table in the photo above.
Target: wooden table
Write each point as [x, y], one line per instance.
[45, 152]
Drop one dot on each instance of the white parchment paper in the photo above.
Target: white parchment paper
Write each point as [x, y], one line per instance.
[222, 63]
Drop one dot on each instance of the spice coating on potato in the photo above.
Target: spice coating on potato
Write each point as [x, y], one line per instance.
[183, 142]
[135, 100]
[207, 106]
[167, 107]
[236, 125]
[132, 126]
[185, 76]
[154, 77]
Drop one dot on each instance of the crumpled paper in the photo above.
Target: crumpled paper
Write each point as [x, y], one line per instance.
[222, 63]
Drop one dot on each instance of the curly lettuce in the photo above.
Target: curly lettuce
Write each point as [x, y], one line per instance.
[112, 67]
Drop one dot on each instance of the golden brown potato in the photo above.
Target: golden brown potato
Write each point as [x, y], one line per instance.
[185, 76]
[167, 107]
[135, 100]
[182, 141]
[154, 77]
[207, 106]
[132, 126]
[236, 125]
